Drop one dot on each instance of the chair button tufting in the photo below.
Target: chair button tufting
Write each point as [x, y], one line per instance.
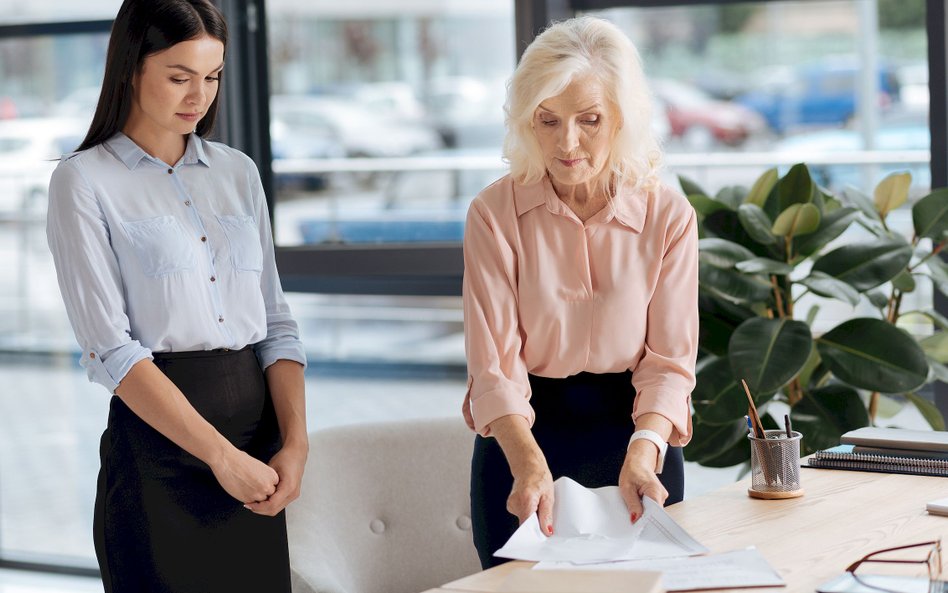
[463, 523]
[377, 526]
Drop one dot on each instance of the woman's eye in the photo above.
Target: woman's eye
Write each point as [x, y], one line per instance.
[548, 122]
[592, 121]
[212, 78]
[179, 80]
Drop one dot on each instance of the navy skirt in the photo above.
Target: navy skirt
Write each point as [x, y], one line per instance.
[163, 524]
[583, 424]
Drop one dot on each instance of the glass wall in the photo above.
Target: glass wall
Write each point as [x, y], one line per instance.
[747, 86]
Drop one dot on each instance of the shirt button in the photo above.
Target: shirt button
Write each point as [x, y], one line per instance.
[213, 279]
[220, 319]
[170, 171]
[203, 239]
[187, 202]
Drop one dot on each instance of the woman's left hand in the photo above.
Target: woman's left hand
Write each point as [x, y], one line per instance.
[638, 479]
[288, 463]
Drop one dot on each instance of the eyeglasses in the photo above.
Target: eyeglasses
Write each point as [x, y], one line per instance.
[933, 561]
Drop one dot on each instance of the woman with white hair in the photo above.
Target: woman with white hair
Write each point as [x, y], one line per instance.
[580, 292]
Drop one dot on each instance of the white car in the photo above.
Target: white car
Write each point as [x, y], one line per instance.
[29, 151]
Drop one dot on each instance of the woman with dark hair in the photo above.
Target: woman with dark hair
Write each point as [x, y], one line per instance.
[164, 257]
[580, 292]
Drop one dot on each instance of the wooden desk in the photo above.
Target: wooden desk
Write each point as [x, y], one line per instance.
[842, 517]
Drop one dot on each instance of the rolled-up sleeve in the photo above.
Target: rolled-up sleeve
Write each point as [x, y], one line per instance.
[665, 375]
[283, 336]
[497, 381]
[89, 279]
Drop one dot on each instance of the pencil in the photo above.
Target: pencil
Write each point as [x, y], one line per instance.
[752, 412]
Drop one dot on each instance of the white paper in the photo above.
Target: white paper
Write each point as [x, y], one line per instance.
[592, 525]
[740, 568]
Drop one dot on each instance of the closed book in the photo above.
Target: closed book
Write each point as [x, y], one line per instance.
[900, 452]
[843, 457]
[897, 438]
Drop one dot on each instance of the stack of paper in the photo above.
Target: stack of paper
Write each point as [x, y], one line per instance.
[593, 532]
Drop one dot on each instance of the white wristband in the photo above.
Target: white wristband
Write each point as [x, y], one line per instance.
[651, 435]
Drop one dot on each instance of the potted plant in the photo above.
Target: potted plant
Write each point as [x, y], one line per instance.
[764, 248]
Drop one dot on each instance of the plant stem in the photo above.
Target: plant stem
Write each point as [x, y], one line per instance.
[794, 392]
[873, 407]
[777, 297]
[934, 252]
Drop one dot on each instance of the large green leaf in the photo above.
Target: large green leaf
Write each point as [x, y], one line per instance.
[826, 286]
[689, 187]
[732, 195]
[757, 224]
[875, 355]
[764, 265]
[704, 205]
[903, 281]
[722, 253]
[928, 411]
[796, 187]
[762, 187]
[935, 346]
[712, 440]
[832, 225]
[718, 319]
[732, 285]
[826, 413]
[797, 219]
[930, 215]
[866, 265]
[768, 353]
[726, 224]
[938, 271]
[861, 202]
[717, 397]
[891, 192]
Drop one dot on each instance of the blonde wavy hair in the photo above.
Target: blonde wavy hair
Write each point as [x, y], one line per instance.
[568, 51]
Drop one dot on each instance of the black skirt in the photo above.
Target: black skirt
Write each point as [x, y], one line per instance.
[583, 424]
[163, 524]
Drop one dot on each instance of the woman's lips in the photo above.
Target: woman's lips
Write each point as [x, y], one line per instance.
[569, 162]
[189, 116]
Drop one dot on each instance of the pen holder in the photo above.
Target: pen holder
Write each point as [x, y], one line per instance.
[775, 465]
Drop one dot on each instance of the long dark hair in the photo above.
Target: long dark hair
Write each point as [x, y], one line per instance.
[143, 28]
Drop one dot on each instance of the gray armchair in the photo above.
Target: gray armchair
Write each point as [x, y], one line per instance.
[385, 508]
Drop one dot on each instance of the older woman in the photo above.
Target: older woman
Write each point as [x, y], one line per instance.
[580, 292]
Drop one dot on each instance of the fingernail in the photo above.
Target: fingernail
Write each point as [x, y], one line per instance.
[635, 517]
[247, 506]
[549, 529]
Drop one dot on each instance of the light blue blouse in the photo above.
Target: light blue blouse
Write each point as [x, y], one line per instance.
[159, 258]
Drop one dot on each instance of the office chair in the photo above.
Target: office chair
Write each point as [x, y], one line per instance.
[384, 508]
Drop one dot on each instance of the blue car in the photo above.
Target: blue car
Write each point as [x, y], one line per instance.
[817, 95]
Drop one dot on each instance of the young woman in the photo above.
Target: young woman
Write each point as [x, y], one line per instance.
[164, 256]
[580, 292]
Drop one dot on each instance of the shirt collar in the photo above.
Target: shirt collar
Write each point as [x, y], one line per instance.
[125, 149]
[630, 207]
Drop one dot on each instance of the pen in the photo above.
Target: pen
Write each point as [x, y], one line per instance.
[750, 426]
[786, 422]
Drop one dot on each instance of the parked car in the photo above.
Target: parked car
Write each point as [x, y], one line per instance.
[360, 132]
[897, 132]
[700, 120]
[29, 151]
[819, 94]
[467, 112]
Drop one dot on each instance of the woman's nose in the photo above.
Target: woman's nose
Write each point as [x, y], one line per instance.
[568, 138]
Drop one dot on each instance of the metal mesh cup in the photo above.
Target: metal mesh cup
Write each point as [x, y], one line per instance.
[775, 465]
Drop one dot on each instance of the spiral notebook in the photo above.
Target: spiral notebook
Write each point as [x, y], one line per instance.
[843, 457]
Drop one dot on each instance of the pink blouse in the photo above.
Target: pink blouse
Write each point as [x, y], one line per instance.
[545, 293]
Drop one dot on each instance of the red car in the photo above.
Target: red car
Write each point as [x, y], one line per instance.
[701, 121]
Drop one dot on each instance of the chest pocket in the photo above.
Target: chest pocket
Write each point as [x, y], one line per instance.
[161, 245]
[244, 240]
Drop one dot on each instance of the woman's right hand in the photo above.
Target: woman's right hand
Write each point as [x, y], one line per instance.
[244, 477]
[533, 492]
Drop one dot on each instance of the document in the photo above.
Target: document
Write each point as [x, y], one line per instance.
[740, 568]
[592, 525]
